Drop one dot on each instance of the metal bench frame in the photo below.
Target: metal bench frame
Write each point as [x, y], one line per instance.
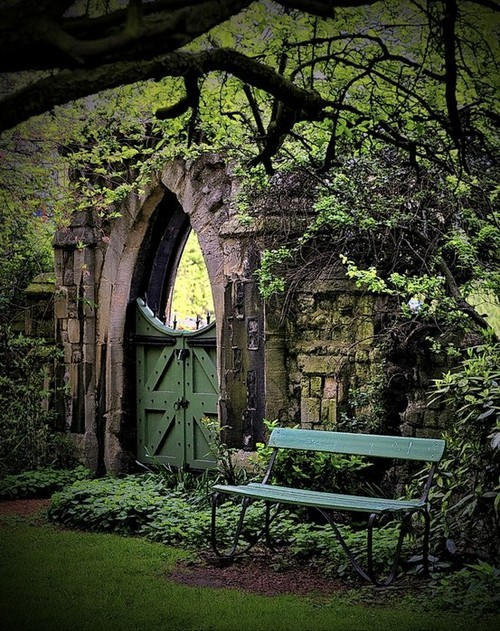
[395, 447]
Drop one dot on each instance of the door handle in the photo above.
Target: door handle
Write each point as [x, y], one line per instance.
[181, 403]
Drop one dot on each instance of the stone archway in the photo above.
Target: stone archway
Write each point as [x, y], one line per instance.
[303, 374]
[101, 270]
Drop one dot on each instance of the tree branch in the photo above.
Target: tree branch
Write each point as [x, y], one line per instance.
[37, 36]
[71, 85]
[191, 100]
[260, 126]
[277, 131]
[31, 40]
[449, 22]
[462, 304]
[386, 53]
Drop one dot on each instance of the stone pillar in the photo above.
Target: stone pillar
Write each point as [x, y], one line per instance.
[75, 313]
[242, 359]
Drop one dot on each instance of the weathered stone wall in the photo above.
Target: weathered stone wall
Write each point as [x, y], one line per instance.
[75, 318]
[304, 369]
[330, 349]
[339, 378]
[38, 318]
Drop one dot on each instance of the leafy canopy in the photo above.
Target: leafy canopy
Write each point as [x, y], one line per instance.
[390, 108]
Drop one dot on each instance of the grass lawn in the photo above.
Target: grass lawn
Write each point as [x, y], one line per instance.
[54, 579]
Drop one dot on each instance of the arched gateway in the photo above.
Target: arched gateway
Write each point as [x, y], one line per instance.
[130, 395]
[101, 273]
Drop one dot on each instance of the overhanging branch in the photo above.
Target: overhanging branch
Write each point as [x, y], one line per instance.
[41, 36]
[462, 304]
[32, 40]
[67, 86]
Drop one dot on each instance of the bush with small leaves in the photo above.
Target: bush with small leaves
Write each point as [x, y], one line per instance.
[40, 482]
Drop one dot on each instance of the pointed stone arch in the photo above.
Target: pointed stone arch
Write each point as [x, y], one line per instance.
[135, 255]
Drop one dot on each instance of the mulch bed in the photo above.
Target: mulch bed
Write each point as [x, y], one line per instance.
[23, 507]
[255, 574]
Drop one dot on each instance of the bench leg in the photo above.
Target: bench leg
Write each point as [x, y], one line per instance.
[425, 546]
[269, 520]
[403, 529]
[232, 551]
[369, 573]
[359, 569]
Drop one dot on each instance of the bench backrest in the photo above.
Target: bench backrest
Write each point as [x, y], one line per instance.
[424, 449]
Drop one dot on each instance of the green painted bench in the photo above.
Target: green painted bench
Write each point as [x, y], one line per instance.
[428, 450]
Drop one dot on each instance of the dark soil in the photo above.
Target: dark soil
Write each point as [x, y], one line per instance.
[23, 507]
[258, 574]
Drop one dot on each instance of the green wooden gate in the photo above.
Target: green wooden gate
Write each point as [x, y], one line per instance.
[176, 384]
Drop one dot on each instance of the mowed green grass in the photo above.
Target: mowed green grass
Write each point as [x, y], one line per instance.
[53, 579]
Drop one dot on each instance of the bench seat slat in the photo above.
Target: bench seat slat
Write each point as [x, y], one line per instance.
[424, 449]
[332, 501]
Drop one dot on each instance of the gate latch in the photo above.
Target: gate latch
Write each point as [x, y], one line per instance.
[181, 403]
[182, 353]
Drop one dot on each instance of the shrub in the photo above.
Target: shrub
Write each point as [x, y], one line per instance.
[39, 483]
[475, 587]
[178, 523]
[119, 505]
[144, 505]
[467, 488]
[27, 420]
[193, 484]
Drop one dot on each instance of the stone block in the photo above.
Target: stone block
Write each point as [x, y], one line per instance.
[90, 449]
[73, 237]
[329, 411]
[61, 303]
[364, 330]
[324, 409]
[89, 330]
[89, 352]
[68, 350]
[310, 410]
[304, 386]
[331, 388]
[323, 365]
[312, 364]
[73, 331]
[72, 294]
[68, 275]
[76, 355]
[316, 386]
